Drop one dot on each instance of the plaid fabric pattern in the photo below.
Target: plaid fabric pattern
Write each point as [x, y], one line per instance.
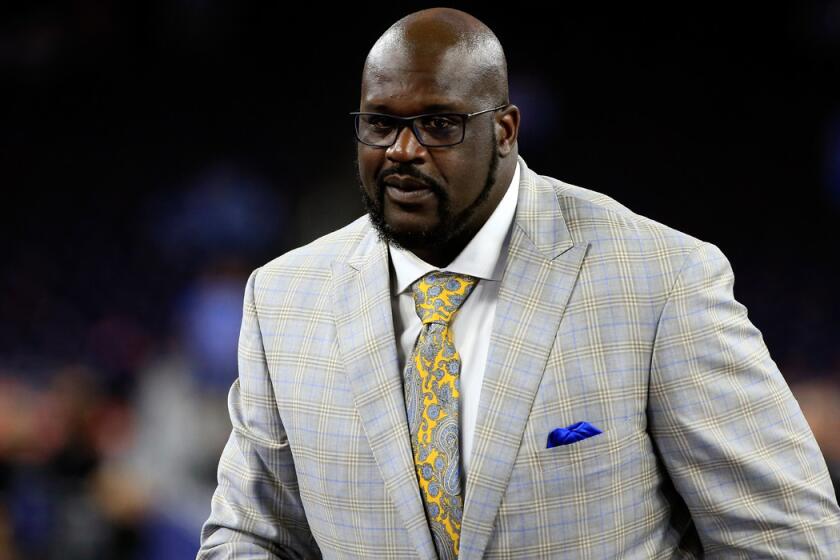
[604, 316]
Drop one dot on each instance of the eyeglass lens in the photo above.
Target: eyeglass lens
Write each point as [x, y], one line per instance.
[431, 130]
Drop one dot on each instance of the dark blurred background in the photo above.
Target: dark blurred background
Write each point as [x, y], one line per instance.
[153, 153]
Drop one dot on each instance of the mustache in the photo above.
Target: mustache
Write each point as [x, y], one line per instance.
[412, 172]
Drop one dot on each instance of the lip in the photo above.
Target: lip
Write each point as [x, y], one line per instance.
[405, 183]
[406, 190]
[414, 196]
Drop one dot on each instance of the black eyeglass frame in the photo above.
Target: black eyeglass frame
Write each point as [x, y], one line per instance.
[402, 122]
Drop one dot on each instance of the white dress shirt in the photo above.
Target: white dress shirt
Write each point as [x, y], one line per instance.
[483, 257]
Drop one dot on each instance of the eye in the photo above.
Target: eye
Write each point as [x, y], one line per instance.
[439, 123]
[380, 122]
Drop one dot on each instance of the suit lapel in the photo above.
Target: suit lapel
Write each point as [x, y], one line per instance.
[365, 329]
[542, 265]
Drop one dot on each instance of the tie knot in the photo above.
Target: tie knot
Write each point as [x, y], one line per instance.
[438, 295]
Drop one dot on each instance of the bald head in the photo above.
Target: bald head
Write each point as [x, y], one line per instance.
[445, 40]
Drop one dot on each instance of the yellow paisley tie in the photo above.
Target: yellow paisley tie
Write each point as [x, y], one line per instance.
[432, 393]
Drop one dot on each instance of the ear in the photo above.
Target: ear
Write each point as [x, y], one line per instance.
[507, 129]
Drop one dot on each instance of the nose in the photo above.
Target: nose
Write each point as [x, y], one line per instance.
[406, 147]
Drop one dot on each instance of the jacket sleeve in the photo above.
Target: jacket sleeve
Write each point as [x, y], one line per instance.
[256, 510]
[730, 433]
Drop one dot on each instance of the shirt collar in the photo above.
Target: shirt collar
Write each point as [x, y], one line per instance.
[480, 258]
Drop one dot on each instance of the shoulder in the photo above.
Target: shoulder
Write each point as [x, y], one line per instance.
[311, 263]
[592, 212]
[610, 227]
[627, 250]
[319, 253]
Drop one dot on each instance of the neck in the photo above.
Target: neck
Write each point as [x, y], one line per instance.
[443, 255]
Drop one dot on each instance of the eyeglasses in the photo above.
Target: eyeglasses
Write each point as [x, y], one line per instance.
[434, 130]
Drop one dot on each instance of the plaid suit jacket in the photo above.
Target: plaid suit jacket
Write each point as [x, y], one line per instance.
[603, 316]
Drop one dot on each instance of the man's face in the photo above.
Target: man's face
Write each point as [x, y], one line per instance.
[455, 182]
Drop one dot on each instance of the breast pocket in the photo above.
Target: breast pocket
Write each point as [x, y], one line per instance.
[616, 439]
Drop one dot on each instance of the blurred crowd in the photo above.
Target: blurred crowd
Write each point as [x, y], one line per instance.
[111, 451]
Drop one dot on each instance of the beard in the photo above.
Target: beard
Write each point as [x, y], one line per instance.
[449, 225]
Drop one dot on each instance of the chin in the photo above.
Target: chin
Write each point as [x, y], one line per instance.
[407, 239]
[407, 235]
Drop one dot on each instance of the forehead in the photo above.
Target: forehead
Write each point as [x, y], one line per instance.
[399, 85]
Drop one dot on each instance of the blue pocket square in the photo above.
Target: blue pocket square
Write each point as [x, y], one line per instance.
[571, 434]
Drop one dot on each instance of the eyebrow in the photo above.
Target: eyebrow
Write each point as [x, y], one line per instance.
[432, 108]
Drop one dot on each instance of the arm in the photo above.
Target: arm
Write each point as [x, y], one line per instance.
[256, 510]
[730, 433]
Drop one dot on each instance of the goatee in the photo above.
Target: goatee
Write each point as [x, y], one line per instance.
[449, 225]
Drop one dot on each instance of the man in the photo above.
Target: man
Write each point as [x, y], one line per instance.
[601, 393]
